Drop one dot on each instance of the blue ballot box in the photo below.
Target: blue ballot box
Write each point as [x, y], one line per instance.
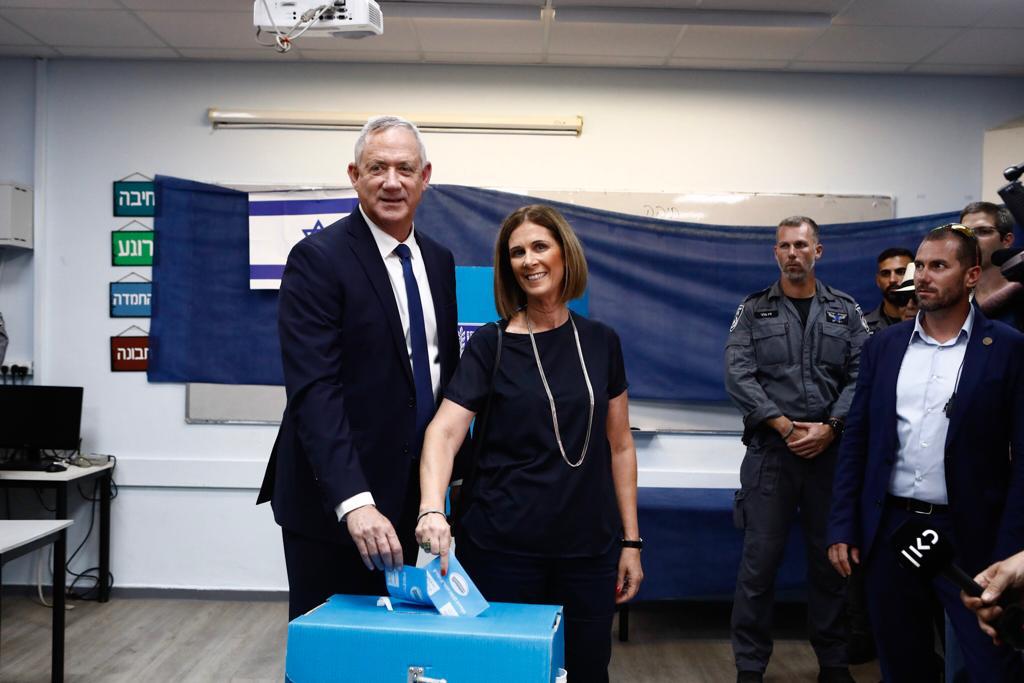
[350, 638]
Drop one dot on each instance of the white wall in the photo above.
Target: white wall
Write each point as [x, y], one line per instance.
[185, 517]
[17, 128]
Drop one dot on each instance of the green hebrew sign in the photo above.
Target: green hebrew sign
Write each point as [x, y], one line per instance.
[132, 247]
[134, 198]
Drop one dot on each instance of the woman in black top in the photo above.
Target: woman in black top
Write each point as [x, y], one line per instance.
[550, 507]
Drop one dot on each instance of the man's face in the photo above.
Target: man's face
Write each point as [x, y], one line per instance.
[989, 239]
[940, 280]
[796, 250]
[390, 179]
[890, 275]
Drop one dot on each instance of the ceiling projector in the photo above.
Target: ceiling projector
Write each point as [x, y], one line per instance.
[294, 18]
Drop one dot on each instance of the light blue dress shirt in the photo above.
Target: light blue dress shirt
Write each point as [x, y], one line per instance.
[928, 377]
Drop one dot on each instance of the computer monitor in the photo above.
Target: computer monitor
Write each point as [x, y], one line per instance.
[37, 418]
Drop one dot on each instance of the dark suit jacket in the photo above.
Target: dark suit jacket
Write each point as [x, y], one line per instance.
[985, 486]
[350, 422]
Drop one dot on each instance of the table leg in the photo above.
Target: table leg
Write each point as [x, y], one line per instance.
[623, 623]
[59, 557]
[105, 537]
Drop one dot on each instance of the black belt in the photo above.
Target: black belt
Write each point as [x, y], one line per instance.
[912, 505]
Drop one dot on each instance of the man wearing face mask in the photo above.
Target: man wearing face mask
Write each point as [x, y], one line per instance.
[791, 365]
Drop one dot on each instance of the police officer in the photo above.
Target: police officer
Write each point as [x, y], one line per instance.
[791, 366]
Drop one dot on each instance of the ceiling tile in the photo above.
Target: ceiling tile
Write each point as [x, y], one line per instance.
[968, 69]
[356, 57]
[612, 39]
[1006, 14]
[953, 13]
[605, 60]
[12, 35]
[492, 58]
[100, 28]
[190, 5]
[398, 36]
[27, 51]
[120, 53]
[849, 67]
[983, 46]
[204, 29]
[250, 55]
[730, 64]
[480, 37]
[728, 42]
[61, 4]
[876, 44]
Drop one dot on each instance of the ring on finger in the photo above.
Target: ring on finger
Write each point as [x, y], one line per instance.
[425, 545]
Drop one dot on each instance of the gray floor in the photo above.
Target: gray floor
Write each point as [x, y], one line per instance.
[132, 639]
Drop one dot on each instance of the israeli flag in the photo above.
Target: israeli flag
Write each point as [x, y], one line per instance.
[278, 220]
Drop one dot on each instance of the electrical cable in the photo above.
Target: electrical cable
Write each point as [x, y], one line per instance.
[283, 41]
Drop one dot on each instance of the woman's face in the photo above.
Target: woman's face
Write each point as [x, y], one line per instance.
[537, 262]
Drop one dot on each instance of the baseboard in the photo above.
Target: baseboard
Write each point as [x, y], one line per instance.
[219, 594]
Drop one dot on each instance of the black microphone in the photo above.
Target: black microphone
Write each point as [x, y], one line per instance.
[924, 551]
[1010, 263]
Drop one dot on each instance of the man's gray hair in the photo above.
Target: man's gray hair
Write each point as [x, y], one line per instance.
[381, 123]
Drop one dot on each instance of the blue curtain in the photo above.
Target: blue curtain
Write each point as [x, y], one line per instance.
[669, 289]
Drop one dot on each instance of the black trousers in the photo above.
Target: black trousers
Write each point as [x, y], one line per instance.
[775, 484]
[585, 587]
[901, 602]
[317, 568]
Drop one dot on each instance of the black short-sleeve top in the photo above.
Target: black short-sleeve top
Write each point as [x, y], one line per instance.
[524, 498]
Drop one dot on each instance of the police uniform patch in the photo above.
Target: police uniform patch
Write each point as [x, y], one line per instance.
[774, 313]
[837, 317]
[860, 314]
[736, 320]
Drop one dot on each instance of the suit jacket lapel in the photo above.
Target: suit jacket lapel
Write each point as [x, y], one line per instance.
[892, 362]
[436, 275]
[975, 358]
[366, 251]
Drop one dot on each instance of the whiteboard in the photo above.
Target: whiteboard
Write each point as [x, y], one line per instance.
[250, 404]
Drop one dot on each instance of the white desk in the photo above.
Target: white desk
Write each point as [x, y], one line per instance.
[59, 482]
[21, 536]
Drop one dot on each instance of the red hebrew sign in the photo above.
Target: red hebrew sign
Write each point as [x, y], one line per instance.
[129, 354]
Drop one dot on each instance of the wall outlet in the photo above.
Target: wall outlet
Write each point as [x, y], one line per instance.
[20, 363]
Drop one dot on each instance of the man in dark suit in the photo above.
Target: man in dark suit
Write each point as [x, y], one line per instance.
[368, 327]
[936, 434]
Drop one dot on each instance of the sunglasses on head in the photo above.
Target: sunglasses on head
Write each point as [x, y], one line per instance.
[962, 230]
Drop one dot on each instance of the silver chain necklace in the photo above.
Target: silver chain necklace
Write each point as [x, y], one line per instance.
[551, 399]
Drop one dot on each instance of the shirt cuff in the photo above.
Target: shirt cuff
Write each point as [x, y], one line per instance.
[349, 504]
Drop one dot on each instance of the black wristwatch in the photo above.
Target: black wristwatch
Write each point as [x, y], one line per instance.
[837, 426]
[638, 544]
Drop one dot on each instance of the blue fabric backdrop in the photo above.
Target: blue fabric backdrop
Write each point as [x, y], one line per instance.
[670, 289]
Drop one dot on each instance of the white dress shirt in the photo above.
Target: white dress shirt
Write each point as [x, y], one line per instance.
[928, 377]
[386, 245]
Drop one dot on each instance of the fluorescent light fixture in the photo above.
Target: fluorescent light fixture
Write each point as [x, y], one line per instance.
[692, 17]
[460, 10]
[327, 120]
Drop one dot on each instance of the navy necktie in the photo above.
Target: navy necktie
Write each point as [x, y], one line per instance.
[418, 336]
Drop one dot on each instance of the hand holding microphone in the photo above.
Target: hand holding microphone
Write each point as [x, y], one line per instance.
[922, 550]
[1003, 583]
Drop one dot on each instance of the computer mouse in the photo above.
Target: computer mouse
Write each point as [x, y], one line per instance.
[56, 467]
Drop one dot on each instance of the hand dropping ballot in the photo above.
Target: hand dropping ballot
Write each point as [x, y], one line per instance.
[454, 595]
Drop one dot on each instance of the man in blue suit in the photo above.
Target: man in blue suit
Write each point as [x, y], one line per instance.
[368, 327]
[936, 434]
